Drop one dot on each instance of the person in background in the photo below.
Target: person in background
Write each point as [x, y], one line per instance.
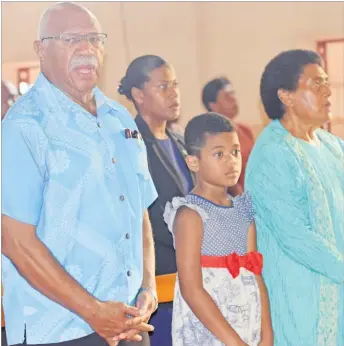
[295, 176]
[218, 96]
[9, 94]
[151, 84]
[78, 253]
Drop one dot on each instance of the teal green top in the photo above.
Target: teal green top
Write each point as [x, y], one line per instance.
[298, 194]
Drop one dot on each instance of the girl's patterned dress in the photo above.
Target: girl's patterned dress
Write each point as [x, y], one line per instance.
[225, 231]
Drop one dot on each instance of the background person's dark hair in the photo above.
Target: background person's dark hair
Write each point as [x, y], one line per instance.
[283, 72]
[202, 125]
[138, 73]
[211, 89]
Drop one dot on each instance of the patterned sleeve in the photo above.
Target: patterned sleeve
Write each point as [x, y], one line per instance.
[22, 173]
[276, 183]
[172, 208]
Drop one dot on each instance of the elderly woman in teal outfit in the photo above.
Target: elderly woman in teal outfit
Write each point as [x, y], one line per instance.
[296, 178]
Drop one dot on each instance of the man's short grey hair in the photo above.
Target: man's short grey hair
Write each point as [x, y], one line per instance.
[44, 20]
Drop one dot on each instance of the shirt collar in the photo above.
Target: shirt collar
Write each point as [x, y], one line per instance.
[50, 91]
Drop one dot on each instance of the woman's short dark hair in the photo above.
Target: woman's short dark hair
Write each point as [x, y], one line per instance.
[283, 72]
[211, 90]
[138, 73]
[205, 124]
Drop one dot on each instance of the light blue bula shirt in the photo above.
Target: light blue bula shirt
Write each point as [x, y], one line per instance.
[86, 187]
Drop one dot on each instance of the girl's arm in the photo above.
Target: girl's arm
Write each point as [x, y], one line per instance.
[267, 333]
[188, 231]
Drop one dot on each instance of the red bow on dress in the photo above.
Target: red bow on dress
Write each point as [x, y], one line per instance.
[252, 261]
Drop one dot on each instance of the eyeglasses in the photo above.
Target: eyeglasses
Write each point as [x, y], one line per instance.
[317, 84]
[72, 40]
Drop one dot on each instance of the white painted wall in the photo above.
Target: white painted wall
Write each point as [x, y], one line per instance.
[200, 39]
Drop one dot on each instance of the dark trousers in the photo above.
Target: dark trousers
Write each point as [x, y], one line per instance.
[162, 322]
[95, 340]
[3, 337]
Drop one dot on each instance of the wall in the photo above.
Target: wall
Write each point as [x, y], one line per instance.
[335, 62]
[201, 40]
[9, 70]
[242, 37]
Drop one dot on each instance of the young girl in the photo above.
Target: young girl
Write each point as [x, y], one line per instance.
[220, 297]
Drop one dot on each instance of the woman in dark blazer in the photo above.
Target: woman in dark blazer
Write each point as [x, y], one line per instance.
[150, 83]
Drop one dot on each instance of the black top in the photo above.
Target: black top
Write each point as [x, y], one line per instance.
[169, 183]
[178, 160]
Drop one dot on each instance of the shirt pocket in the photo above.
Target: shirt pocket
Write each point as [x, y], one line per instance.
[138, 154]
[142, 165]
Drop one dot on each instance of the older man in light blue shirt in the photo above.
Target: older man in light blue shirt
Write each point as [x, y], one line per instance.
[79, 255]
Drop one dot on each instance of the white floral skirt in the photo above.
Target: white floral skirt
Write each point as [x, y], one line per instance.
[238, 300]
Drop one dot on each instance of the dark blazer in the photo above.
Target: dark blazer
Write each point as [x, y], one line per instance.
[168, 183]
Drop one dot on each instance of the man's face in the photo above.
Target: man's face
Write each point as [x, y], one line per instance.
[226, 102]
[73, 62]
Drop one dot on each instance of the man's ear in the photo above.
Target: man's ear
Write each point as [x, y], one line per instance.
[39, 49]
[213, 107]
